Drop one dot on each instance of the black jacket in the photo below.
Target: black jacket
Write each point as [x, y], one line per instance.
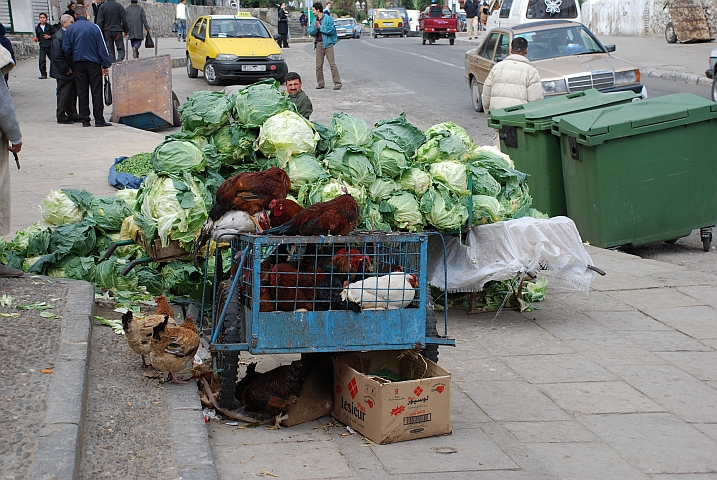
[61, 62]
[283, 24]
[111, 17]
[44, 42]
[471, 8]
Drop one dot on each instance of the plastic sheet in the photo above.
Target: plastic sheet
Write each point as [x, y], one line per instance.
[122, 180]
[501, 250]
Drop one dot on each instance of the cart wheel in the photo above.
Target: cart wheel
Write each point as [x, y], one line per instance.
[707, 242]
[176, 119]
[670, 34]
[231, 333]
[431, 351]
[452, 41]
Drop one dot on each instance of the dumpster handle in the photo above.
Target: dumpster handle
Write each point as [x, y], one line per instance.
[597, 270]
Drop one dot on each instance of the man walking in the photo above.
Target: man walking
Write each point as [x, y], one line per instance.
[43, 35]
[83, 41]
[137, 23]
[112, 20]
[471, 8]
[297, 95]
[304, 22]
[325, 37]
[181, 15]
[61, 69]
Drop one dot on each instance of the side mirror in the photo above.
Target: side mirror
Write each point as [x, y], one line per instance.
[610, 48]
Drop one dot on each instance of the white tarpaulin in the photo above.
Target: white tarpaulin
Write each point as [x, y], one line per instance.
[500, 251]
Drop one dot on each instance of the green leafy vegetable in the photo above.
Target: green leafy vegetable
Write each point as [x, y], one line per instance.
[259, 101]
[286, 134]
[108, 213]
[415, 180]
[138, 165]
[108, 275]
[388, 159]
[381, 189]
[443, 210]
[401, 132]
[59, 208]
[452, 129]
[452, 175]
[404, 212]
[178, 156]
[304, 170]
[351, 131]
[205, 112]
[351, 164]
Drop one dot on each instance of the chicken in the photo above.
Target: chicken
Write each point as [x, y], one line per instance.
[163, 307]
[173, 347]
[138, 331]
[335, 217]
[250, 375]
[250, 192]
[392, 291]
[274, 391]
[283, 210]
[227, 227]
[292, 289]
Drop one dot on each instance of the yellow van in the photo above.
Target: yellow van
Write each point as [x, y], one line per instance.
[387, 22]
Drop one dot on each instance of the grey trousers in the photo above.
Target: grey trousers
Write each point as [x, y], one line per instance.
[322, 52]
[4, 186]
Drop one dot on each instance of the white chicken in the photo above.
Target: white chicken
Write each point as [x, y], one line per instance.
[387, 292]
[231, 223]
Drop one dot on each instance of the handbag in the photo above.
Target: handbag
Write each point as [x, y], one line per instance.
[175, 29]
[108, 91]
[148, 42]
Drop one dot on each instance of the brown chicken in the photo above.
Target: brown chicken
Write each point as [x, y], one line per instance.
[274, 391]
[283, 210]
[291, 289]
[335, 217]
[173, 347]
[250, 192]
[138, 331]
[163, 307]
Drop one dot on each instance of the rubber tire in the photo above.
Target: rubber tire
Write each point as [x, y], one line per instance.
[706, 243]
[213, 78]
[714, 89]
[231, 333]
[431, 351]
[375, 35]
[424, 38]
[176, 118]
[476, 96]
[191, 71]
[452, 41]
[670, 34]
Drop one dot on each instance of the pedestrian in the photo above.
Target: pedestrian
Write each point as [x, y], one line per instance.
[283, 26]
[327, 11]
[512, 81]
[11, 141]
[96, 4]
[112, 20]
[83, 41]
[304, 22]
[297, 95]
[484, 12]
[137, 23]
[181, 16]
[70, 9]
[43, 35]
[471, 8]
[61, 69]
[7, 44]
[325, 37]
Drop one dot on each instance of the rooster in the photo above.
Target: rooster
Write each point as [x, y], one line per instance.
[250, 192]
[225, 228]
[291, 289]
[335, 217]
[392, 291]
[138, 331]
[163, 307]
[274, 391]
[283, 210]
[173, 347]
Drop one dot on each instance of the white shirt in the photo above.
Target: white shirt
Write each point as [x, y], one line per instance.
[181, 11]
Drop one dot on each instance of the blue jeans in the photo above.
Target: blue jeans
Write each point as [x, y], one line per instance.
[182, 28]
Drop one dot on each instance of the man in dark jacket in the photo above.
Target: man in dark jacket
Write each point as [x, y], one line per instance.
[43, 35]
[61, 69]
[5, 43]
[137, 23]
[282, 26]
[83, 41]
[471, 8]
[112, 20]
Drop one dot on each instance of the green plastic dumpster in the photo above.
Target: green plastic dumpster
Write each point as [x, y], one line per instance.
[526, 137]
[642, 172]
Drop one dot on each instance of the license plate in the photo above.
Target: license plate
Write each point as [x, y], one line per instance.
[253, 68]
[388, 24]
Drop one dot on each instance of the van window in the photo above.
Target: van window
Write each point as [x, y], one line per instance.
[547, 9]
[489, 47]
[505, 9]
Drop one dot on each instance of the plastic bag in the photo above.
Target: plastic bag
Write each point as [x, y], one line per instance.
[148, 42]
[122, 180]
[108, 91]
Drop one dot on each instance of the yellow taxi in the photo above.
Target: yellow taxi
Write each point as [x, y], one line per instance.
[238, 48]
[387, 22]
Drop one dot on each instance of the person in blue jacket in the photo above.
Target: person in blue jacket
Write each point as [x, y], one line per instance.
[325, 37]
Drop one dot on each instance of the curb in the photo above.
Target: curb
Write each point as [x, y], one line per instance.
[60, 439]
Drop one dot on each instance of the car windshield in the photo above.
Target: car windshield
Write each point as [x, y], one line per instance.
[237, 28]
[343, 23]
[388, 15]
[560, 42]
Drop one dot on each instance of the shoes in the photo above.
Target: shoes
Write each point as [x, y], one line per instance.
[103, 124]
[7, 272]
[337, 87]
[85, 124]
[65, 121]
[179, 38]
[319, 87]
[470, 38]
[135, 53]
[42, 77]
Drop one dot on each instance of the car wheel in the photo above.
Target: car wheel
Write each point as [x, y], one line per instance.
[714, 89]
[191, 71]
[476, 96]
[424, 39]
[210, 75]
[670, 34]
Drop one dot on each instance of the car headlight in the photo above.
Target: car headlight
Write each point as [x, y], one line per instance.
[555, 86]
[276, 57]
[631, 76]
[226, 56]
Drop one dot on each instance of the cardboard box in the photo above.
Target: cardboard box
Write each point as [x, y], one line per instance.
[386, 412]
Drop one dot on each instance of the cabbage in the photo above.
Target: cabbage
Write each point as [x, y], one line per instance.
[182, 278]
[350, 130]
[403, 212]
[150, 279]
[388, 159]
[415, 180]
[352, 165]
[381, 189]
[486, 209]
[200, 140]
[453, 129]
[492, 155]
[129, 195]
[73, 238]
[304, 169]
[483, 182]
[372, 219]
[441, 147]
[256, 103]
[78, 268]
[108, 213]
[178, 156]
[108, 275]
[172, 207]
[64, 206]
[334, 188]
[327, 137]
[234, 143]
[205, 112]
[452, 175]
[285, 134]
[399, 131]
[443, 210]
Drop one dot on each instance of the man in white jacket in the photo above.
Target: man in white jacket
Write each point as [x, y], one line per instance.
[512, 81]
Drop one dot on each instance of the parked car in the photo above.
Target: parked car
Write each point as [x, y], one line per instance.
[406, 19]
[387, 22]
[569, 58]
[227, 47]
[508, 13]
[712, 73]
[347, 28]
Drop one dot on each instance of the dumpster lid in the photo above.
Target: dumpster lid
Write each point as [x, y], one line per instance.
[596, 126]
[535, 116]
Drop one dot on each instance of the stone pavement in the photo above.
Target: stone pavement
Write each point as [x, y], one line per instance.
[619, 383]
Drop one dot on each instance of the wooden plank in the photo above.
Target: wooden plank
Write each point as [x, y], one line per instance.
[141, 86]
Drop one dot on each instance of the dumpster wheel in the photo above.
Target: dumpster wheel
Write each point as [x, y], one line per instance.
[706, 235]
[227, 362]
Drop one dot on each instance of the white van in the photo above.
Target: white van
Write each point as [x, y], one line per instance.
[413, 22]
[508, 13]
